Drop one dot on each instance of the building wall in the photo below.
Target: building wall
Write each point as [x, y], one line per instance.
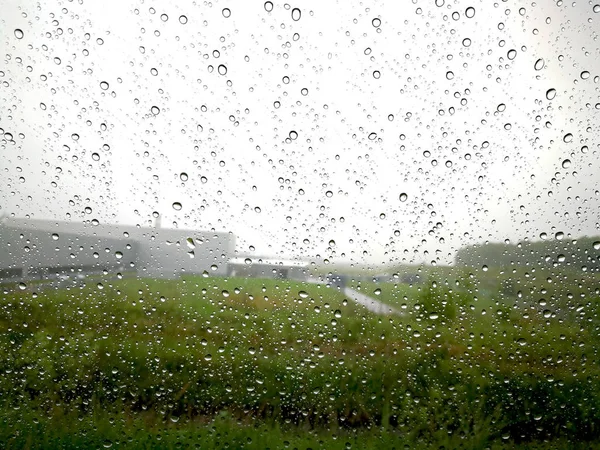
[29, 246]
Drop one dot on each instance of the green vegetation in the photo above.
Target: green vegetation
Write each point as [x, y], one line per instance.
[479, 359]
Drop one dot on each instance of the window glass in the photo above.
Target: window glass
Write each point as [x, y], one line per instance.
[306, 225]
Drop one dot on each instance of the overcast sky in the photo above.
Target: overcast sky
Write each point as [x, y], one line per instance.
[300, 130]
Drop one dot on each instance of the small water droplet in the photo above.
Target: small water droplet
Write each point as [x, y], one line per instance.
[376, 22]
[293, 135]
[225, 293]
[296, 14]
[103, 85]
[177, 206]
[484, 268]
[566, 164]
[303, 294]
[377, 291]
[222, 69]
[585, 75]
[511, 54]
[337, 314]
[372, 136]
[19, 33]
[403, 197]
[257, 209]
[95, 156]
[155, 110]
[183, 176]
[55, 236]
[466, 42]
[470, 12]
[183, 20]
[597, 245]
[329, 194]
[449, 75]
[226, 13]
[568, 138]
[550, 94]
[118, 255]
[22, 286]
[559, 236]
[268, 6]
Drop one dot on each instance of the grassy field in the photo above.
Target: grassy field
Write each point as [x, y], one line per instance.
[478, 360]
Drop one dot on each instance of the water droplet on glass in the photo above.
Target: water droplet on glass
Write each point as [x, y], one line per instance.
[559, 236]
[597, 245]
[304, 91]
[566, 164]
[183, 176]
[118, 255]
[337, 314]
[372, 136]
[376, 74]
[225, 293]
[484, 268]
[183, 20]
[466, 42]
[95, 156]
[470, 12]
[585, 75]
[449, 75]
[596, 8]
[103, 85]
[550, 94]
[155, 110]
[511, 54]
[226, 13]
[293, 135]
[568, 138]
[222, 69]
[403, 197]
[257, 209]
[75, 136]
[329, 194]
[539, 64]
[177, 206]
[22, 286]
[303, 294]
[296, 14]
[377, 291]
[268, 6]
[19, 33]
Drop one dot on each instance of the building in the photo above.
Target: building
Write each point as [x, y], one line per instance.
[36, 249]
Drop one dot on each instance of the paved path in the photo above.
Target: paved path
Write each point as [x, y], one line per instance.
[370, 303]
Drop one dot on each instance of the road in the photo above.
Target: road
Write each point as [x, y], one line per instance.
[370, 303]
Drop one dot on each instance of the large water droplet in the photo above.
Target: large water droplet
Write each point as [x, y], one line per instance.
[566, 164]
[597, 245]
[103, 85]
[511, 54]
[183, 20]
[585, 75]
[568, 138]
[550, 94]
[183, 176]
[155, 110]
[403, 197]
[222, 69]
[470, 12]
[226, 13]
[19, 33]
[296, 14]
[268, 6]
[539, 64]
[559, 236]
[177, 206]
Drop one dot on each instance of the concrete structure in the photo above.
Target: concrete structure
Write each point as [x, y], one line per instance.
[258, 267]
[34, 249]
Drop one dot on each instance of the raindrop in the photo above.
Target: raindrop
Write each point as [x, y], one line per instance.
[103, 85]
[329, 194]
[226, 13]
[597, 245]
[470, 12]
[566, 164]
[567, 138]
[376, 22]
[164, 17]
[337, 314]
[183, 20]
[585, 75]
[19, 33]
[222, 69]
[377, 291]
[596, 8]
[268, 6]
[296, 14]
[153, 72]
[484, 268]
[449, 75]
[391, 117]
[439, 3]
[118, 255]
[539, 64]
[257, 209]
[55, 236]
[95, 156]
[403, 197]
[376, 74]
[501, 107]
[155, 110]
[57, 60]
[512, 54]
[75, 136]
[177, 206]
[372, 136]
[293, 135]
[466, 42]
[303, 294]
[183, 176]
[225, 293]
[559, 236]
[304, 91]
[22, 286]
[550, 94]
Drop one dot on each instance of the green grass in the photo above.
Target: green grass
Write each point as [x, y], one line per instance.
[257, 363]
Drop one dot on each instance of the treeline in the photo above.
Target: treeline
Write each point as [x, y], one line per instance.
[583, 253]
